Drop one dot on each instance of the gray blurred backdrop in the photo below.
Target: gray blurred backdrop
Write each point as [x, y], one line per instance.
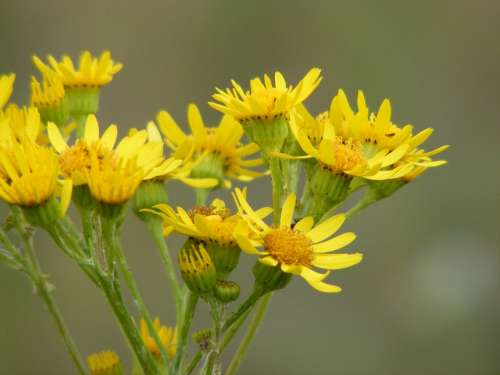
[425, 300]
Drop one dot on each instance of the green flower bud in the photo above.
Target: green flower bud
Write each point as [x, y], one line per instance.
[226, 291]
[203, 339]
[225, 257]
[197, 269]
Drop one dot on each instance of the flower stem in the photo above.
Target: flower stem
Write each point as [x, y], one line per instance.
[51, 304]
[201, 196]
[275, 167]
[276, 173]
[244, 307]
[361, 205]
[114, 246]
[194, 362]
[249, 335]
[129, 329]
[155, 227]
[192, 300]
[44, 291]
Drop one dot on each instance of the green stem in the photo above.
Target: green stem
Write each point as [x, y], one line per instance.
[216, 319]
[274, 166]
[61, 326]
[194, 362]
[129, 329]
[192, 300]
[233, 329]
[264, 303]
[201, 196]
[44, 290]
[114, 246]
[228, 337]
[155, 227]
[244, 307]
[366, 201]
[249, 336]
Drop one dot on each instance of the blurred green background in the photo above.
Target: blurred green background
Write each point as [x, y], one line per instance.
[425, 300]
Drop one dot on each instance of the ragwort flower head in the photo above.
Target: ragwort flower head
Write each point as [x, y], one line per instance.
[215, 152]
[90, 72]
[167, 336]
[296, 248]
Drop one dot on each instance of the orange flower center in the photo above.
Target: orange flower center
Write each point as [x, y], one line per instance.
[347, 154]
[289, 247]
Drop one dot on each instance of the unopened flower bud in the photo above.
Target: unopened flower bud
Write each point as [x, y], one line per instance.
[226, 291]
[197, 269]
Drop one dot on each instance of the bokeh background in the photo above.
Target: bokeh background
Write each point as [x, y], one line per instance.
[426, 298]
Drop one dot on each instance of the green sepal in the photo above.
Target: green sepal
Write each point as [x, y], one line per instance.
[82, 198]
[148, 194]
[43, 215]
[268, 134]
[269, 278]
[211, 166]
[83, 101]
[57, 113]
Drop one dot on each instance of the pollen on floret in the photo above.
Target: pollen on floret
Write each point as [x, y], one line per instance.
[209, 211]
[347, 154]
[289, 247]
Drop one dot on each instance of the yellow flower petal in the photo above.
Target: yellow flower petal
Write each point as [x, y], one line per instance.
[287, 211]
[326, 228]
[335, 243]
[56, 138]
[91, 133]
[305, 224]
[336, 261]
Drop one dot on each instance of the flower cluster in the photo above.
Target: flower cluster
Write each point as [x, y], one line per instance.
[53, 153]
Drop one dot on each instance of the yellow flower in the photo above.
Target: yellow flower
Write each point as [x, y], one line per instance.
[113, 180]
[419, 161]
[212, 223]
[49, 93]
[178, 166]
[75, 160]
[376, 133]
[167, 336]
[16, 122]
[265, 100]
[91, 71]
[341, 155]
[6, 87]
[28, 175]
[105, 363]
[296, 248]
[216, 152]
